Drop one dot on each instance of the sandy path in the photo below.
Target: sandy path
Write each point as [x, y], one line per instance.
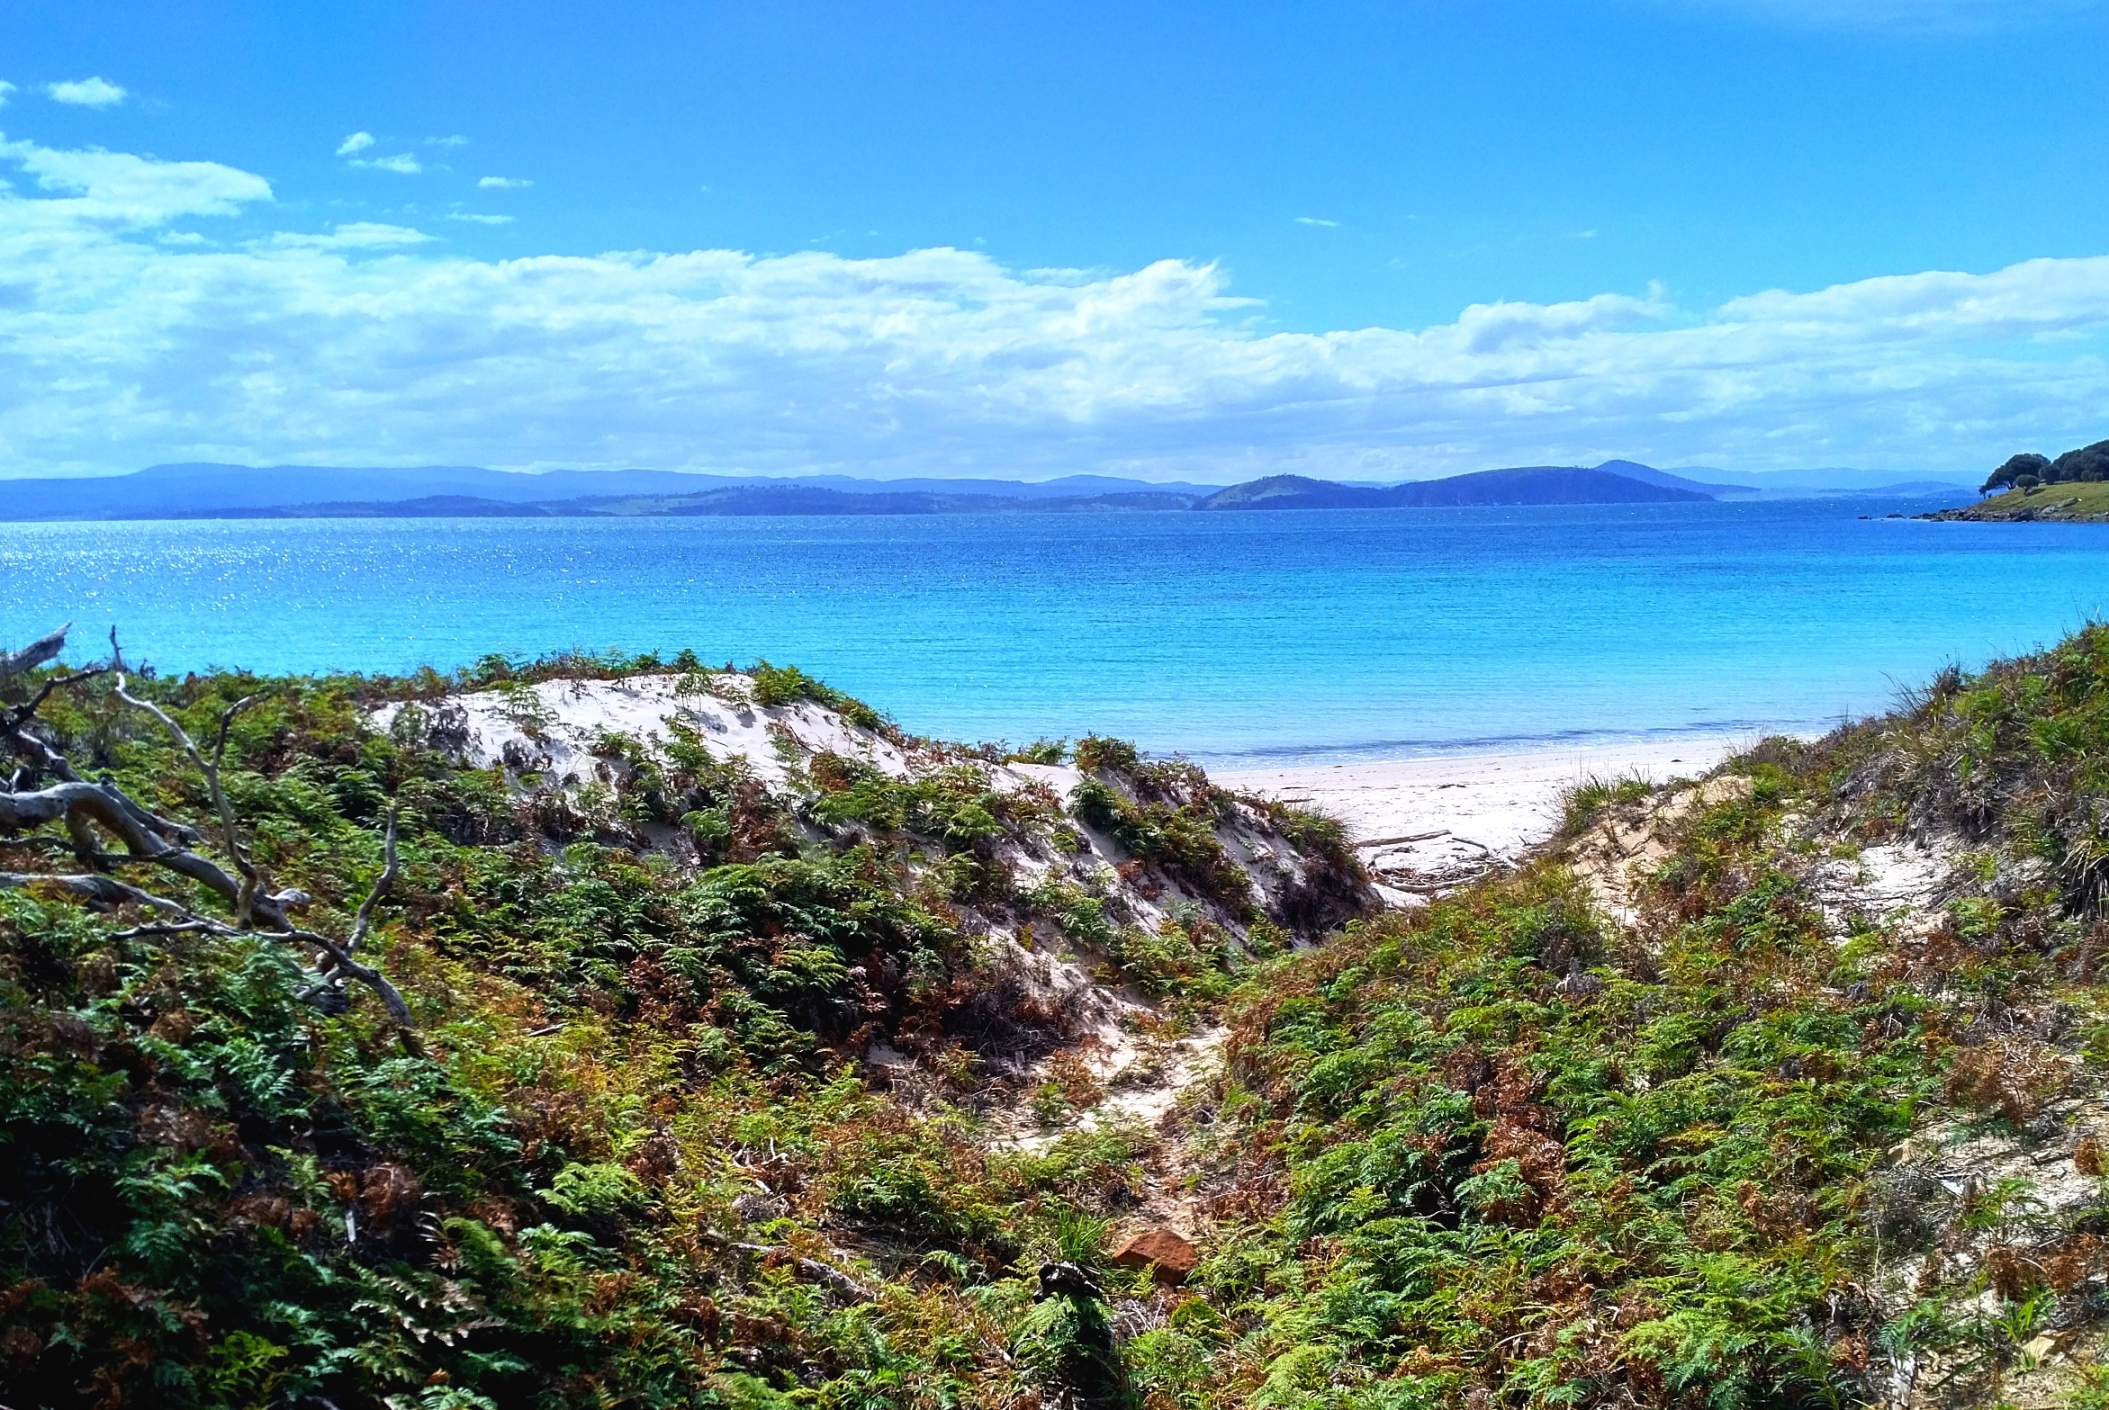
[1478, 805]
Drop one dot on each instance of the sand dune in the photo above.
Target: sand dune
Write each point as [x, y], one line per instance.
[1444, 816]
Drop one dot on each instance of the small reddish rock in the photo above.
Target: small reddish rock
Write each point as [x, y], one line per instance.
[2088, 1157]
[1168, 1257]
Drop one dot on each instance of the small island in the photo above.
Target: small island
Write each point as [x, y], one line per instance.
[2030, 488]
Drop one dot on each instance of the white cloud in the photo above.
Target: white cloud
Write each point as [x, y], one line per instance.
[117, 188]
[402, 162]
[357, 142]
[372, 343]
[1486, 328]
[86, 93]
[457, 140]
[353, 235]
[1314, 220]
[5, 89]
[504, 183]
[476, 219]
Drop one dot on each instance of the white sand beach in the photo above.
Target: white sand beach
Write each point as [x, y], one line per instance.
[1444, 816]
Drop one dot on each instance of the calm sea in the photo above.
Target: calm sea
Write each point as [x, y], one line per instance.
[1251, 635]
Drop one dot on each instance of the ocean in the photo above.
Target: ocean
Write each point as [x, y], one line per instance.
[1231, 637]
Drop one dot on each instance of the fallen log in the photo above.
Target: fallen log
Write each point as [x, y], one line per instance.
[812, 1268]
[1410, 837]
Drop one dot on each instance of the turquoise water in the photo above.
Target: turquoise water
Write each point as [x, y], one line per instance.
[1223, 635]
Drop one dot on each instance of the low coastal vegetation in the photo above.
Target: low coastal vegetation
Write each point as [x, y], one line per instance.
[759, 1060]
[2074, 501]
[2029, 487]
[683, 1070]
[2087, 465]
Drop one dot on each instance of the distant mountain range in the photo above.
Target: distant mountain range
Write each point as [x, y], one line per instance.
[1822, 483]
[731, 501]
[193, 491]
[1536, 484]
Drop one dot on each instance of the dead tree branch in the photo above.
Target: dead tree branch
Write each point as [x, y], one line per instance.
[363, 921]
[78, 804]
[85, 809]
[230, 839]
[848, 1288]
[96, 887]
[21, 713]
[351, 968]
[92, 885]
[44, 648]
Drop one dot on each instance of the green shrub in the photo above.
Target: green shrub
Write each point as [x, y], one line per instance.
[1097, 754]
[1587, 800]
[1178, 839]
[787, 685]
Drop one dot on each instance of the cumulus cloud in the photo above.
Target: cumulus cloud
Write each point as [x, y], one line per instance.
[357, 142]
[1488, 328]
[5, 89]
[402, 163]
[508, 183]
[98, 188]
[86, 93]
[373, 343]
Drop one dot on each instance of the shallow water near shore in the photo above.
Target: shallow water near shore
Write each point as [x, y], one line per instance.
[1240, 639]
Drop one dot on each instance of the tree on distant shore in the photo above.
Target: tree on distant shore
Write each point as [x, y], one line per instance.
[2086, 463]
[2016, 466]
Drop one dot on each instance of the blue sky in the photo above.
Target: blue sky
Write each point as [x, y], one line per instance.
[339, 233]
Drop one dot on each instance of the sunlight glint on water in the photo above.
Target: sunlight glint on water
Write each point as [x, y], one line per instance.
[1374, 633]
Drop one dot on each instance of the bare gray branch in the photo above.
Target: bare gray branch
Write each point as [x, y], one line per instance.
[79, 803]
[363, 921]
[246, 894]
[92, 885]
[28, 658]
[88, 810]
